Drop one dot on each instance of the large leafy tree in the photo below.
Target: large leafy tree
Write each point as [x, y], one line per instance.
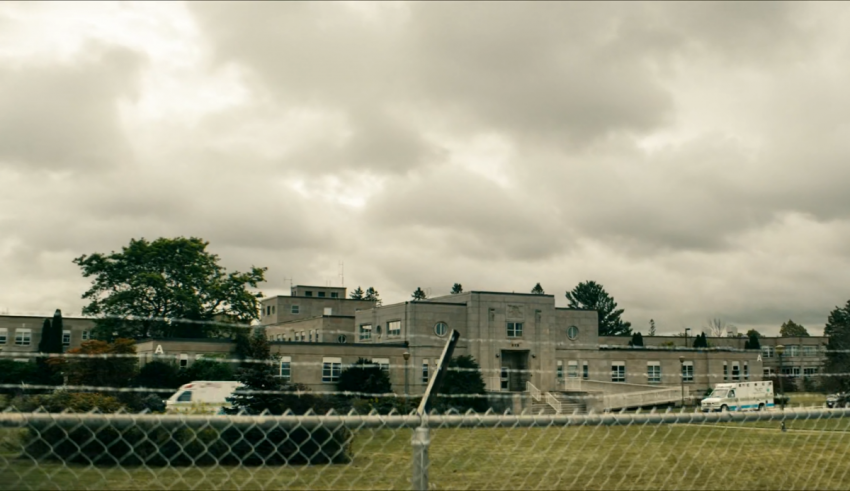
[837, 364]
[116, 366]
[753, 340]
[592, 296]
[167, 288]
[791, 329]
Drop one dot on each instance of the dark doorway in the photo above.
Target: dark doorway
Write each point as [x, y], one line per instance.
[514, 370]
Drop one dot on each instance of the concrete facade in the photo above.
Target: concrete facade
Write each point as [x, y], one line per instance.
[21, 334]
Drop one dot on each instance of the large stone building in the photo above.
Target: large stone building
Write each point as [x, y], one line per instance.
[523, 343]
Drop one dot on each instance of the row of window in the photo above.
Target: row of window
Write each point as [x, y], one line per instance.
[393, 330]
[23, 337]
[792, 372]
[312, 336]
[309, 293]
[793, 350]
[618, 371]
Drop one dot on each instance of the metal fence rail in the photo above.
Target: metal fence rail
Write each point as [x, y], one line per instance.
[792, 449]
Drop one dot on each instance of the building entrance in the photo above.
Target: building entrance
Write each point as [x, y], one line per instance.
[514, 373]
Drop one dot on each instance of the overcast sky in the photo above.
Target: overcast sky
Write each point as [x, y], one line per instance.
[693, 158]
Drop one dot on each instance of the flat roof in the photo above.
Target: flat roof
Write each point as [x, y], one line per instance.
[512, 293]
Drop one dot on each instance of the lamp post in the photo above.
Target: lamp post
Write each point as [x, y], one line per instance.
[682, 373]
[779, 351]
[406, 356]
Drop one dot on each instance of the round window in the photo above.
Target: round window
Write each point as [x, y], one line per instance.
[572, 332]
[441, 329]
[341, 338]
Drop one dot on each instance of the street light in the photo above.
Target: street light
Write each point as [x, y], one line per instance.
[406, 356]
[779, 350]
[682, 372]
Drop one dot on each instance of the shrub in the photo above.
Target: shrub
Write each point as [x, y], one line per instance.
[158, 375]
[61, 400]
[17, 373]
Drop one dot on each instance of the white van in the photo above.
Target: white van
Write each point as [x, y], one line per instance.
[201, 397]
[740, 396]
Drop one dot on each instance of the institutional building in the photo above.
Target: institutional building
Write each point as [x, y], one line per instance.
[523, 343]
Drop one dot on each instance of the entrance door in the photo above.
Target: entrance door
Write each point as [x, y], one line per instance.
[515, 363]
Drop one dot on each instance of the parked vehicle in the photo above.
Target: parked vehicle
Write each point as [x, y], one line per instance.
[201, 397]
[841, 399]
[739, 396]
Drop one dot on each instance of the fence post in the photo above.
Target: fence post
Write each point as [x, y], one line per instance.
[421, 442]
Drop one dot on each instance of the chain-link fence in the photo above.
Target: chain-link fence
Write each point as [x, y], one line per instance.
[791, 449]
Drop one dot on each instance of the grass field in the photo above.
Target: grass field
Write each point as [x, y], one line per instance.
[810, 455]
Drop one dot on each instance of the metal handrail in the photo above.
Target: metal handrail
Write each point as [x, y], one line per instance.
[533, 391]
[554, 402]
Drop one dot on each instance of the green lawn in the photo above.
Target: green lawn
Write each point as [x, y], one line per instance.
[810, 455]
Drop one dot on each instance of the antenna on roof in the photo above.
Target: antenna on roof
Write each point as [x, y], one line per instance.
[285, 279]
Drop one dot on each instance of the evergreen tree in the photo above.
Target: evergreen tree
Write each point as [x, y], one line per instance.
[463, 378]
[591, 295]
[259, 373]
[51, 342]
[700, 341]
[357, 294]
[837, 364]
[364, 377]
[652, 327]
[791, 329]
[752, 341]
[537, 290]
[457, 288]
[419, 294]
[372, 295]
[637, 340]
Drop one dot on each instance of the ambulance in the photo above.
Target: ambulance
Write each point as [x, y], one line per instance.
[201, 397]
[739, 396]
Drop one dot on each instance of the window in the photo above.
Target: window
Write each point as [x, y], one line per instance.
[441, 329]
[572, 333]
[328, 311]
[378, 332]
[85, 335]
[809, 371]
[23, 337]
[793, 350]
[504, 378]
[767, 351]
[322, 294]
[559, 371]
[295, 310]
[4, 334]
[273, 309]
[736, 371]
[286, 368]
[618, 371]
[394, 329]
[585, 373]
[746, 371]
[514, 329]
[688, 371]
[810, 350]
[334, 295]
[795, 371]
[725, 371]
[308, 293]
[331, 368]
[572, 369]
[66, 337]
[341, 339]
[184, 360]
[653, 372]
[383, 364]
[268, 311]
[365, 332]
[492, 314]
[186, 396]
[425, 371]
[303, 336]
[310, 336]
[768, 372]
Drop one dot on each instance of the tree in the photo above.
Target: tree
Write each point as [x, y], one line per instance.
[791, 329]
[718, 327]
[418, 295]
[207, 369]
[167, 288]
[372, 295]
[462, 380]
[364, 377]
[116, 368]
[159, 375]
[258, 373]
[592, 296]
[356, 294]
[51, 342]
[457, 288]
[537, 290]
[637, 340]
[700, 341]
[752, 341]
[652, 327]
[837, 364]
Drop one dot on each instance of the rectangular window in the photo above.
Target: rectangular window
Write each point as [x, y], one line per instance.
[334, 295]
[394, 329]
[514, 329]
[688, 371]
[795, 372]
[585, 373]
[725, 371]
[793, 350]
[768, 372]
[559, 371]
[85, 335]
[383, 364]
[286, 368]
[23, 337]
[504, 378]
[66, 337]
[322, 294]
[184, 360]
[4, 334]
[618, 371]
[303, 336]
[767, 351]
[746, 371]
[365, 332]
[426, 372]
[492, 314]
[331, 368]
[736, 371]
[653, 372]
[295, 310]
[810, 350]
[310, 339]
[809, 371]
[572, 369]
[308, 293]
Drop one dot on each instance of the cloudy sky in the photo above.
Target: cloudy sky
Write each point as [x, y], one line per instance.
[693, 158]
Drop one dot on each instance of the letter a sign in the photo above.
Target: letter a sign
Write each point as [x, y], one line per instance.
[759, 358]
[159, 350]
